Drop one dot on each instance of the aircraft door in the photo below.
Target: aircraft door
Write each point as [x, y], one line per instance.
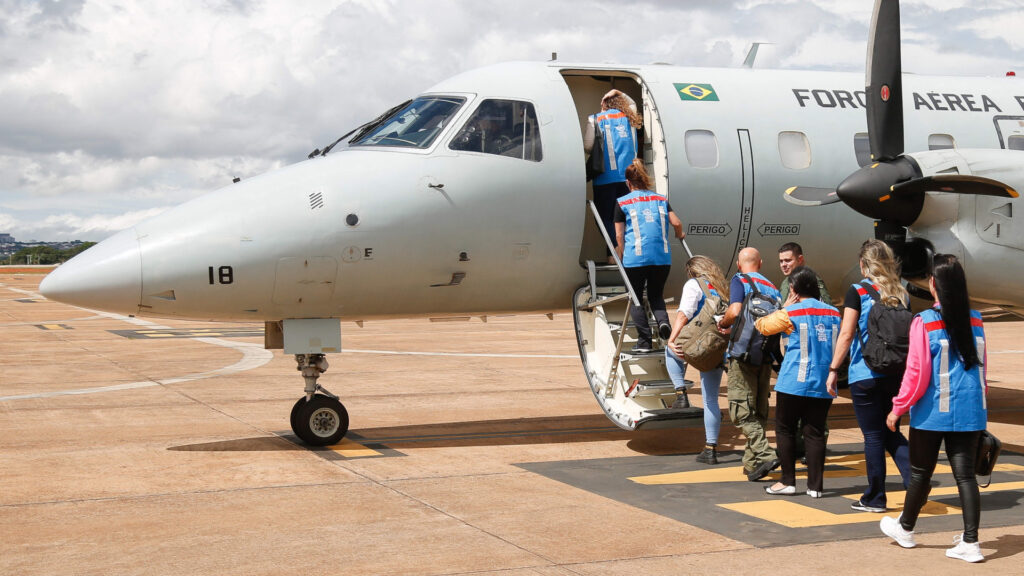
[1010, 130]
[746, 208]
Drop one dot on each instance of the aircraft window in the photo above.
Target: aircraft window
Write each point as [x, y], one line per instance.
[701, 148]
[794, 150]
[940, 142]
[862, 148]
[501, 127]
[416, 125]
[1015, 142]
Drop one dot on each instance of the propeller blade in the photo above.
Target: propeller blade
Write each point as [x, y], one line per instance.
[810, 196]
[884, 80]
[956, 184]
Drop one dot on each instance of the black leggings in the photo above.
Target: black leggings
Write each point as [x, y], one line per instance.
[652, 278]
[961, 449]
[790, 410]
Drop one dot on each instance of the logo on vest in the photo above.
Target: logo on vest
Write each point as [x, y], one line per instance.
[648, 215]
[621, 132]
[820, 329]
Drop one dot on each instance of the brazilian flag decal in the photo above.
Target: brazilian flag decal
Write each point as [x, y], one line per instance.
[696, 92]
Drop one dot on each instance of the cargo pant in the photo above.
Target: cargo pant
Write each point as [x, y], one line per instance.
[748, 409]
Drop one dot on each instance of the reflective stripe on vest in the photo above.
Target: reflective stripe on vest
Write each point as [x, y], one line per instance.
[804, 369]
[646, 230]
[955, 398]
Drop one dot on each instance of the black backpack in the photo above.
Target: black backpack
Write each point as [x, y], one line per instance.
[747, 344]
[888, 341]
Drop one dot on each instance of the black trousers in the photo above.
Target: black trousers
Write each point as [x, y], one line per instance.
[605, 197]
[651, 278]
[811, 414]
[961, 450]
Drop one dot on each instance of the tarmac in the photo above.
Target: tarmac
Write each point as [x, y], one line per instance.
[156, 446]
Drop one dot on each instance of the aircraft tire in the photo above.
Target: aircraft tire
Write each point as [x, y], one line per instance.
[320, 422]
[295, 414]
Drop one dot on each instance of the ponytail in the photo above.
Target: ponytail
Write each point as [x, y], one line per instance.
[955, 307]
[637, 176]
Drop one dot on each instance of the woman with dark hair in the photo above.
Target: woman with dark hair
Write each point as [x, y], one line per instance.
[871, 391]
[803, 392]
[944, 389]
[642, 219]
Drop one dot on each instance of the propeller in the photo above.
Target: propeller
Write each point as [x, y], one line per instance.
[892, 189]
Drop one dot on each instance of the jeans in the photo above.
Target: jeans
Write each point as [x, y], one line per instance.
[872, 402]
[801, 413]
[710, 385]
[961, 449]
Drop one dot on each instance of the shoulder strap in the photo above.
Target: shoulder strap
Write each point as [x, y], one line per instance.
[870, 290]
[753, 285]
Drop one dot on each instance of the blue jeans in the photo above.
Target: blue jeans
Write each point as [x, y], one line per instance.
[872, 402]
[710, 385]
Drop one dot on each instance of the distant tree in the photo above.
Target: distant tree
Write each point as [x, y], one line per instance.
[72, 252]
[37, 255]
[47, 254]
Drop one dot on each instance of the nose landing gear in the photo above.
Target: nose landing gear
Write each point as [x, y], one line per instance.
[317, 419]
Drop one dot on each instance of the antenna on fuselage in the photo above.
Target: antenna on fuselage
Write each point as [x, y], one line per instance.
[748, 62]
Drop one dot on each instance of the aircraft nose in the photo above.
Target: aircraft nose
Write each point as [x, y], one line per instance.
[107, 276]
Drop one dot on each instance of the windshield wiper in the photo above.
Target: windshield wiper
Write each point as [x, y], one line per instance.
[362, 130]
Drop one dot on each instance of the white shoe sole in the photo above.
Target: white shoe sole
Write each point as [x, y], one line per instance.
[895, 535]
[965, 558]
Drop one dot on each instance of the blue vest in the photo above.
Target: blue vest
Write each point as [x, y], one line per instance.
[619, 145]
[858, 368]
[809, 350]
[646, 242]
[703, 298]
[764, 285]
[955, 398]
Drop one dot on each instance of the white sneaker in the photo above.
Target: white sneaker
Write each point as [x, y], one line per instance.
[968, 552]
[891, 527]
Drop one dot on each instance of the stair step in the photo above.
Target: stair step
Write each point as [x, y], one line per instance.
[652, 388]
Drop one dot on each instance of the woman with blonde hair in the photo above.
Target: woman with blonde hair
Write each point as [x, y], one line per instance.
[616, 125]
[704, 274]
[642, 219]
[872, 392]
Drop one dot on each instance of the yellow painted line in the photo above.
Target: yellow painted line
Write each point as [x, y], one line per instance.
[160, 335]
[350, 449]
[851, 466]
[898, 497]
[788, 512]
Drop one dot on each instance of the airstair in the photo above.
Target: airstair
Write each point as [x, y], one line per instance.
[634, 389]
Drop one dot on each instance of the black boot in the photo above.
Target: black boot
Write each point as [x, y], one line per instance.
[708, 455]
[681, 400]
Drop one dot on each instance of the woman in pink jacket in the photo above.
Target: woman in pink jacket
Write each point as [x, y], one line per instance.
[944, 390]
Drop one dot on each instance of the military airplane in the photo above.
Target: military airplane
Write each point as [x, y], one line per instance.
[471, 199]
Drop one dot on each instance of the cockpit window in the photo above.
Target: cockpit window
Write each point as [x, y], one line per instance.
[501, 127]
[416, 125]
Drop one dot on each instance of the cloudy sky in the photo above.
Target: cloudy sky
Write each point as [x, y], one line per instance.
[112, 111]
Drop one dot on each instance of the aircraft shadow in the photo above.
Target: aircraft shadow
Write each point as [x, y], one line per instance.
[257, 444]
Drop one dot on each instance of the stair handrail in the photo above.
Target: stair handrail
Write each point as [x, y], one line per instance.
[615, 255]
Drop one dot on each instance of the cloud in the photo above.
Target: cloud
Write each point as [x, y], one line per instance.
[69, 226]
[118, 108]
